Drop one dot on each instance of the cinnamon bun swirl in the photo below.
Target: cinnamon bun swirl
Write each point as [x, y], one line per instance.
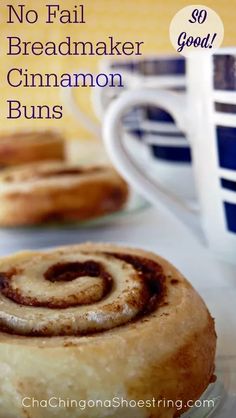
[29, 146]
[59, 191]
[111, 331]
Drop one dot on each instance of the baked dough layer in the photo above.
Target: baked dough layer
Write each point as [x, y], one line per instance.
[59, 191]
[131, 327]
[29, 146]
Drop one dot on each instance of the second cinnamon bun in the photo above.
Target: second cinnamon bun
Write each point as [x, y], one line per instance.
[30, 146]
[59, 191]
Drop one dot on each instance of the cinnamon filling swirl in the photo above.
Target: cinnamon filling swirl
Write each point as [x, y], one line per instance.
[62, 272]
[81, 294]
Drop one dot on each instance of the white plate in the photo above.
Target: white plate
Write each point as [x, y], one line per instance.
[219, 400]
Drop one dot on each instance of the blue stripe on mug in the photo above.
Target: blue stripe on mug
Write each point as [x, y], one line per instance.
[228, 184]
[138, 133]
[153, 66]
[175, 154]
[224, 72]
[163, 66]
[126, 65]
[177, 89]
[225, 107]
[169, 135]
[226, 141]
[158, 115]
[230, 212]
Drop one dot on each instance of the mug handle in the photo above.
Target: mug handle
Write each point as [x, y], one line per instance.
[99, 104]
[157, 194]
[68, 98]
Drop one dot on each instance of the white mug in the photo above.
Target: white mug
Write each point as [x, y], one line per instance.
[167, 150]
[208, 116]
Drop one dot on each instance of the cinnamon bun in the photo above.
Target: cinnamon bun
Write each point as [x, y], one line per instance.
[111, 331]
[59, 191]
[29, 146]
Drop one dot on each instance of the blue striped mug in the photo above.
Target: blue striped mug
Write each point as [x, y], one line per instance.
[207, 115]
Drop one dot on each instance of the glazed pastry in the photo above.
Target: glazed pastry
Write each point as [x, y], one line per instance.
[29, 146]
[102, 325]
[58, 191]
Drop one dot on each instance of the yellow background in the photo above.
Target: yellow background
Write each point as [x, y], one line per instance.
[135, 20]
